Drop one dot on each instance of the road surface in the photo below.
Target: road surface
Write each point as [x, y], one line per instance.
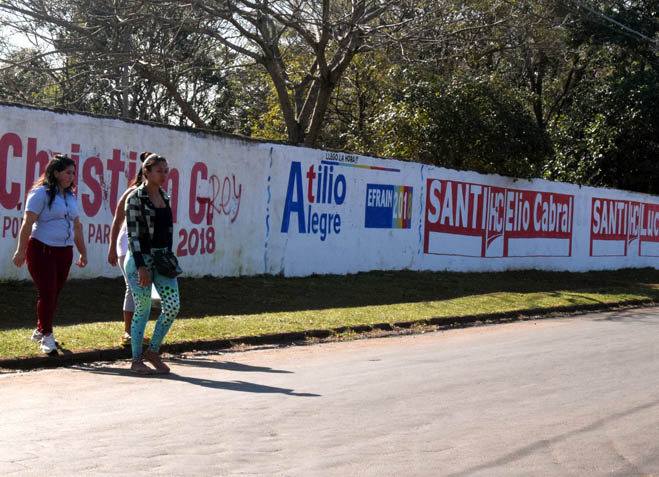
[575, 396]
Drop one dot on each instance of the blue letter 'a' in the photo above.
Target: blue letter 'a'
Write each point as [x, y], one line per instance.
[294, 182]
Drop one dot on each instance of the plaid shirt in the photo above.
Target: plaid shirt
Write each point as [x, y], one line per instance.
[140, 223]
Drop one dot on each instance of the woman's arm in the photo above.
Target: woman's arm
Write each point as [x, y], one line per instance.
[79, 240]
[26, 229]
[117, 222]
[133, 210]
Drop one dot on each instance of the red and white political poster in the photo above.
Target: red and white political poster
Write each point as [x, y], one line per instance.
[621, 228]
[614, 226]
[477, 220]
[649, 233]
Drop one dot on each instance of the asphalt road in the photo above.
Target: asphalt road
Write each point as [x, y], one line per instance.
[556, 397]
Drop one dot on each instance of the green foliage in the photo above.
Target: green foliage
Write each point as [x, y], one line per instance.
[351, 119]
[272, 304]
[264, 119]
[25, 80]
[608, 133]
[464, 124]
[563, 90]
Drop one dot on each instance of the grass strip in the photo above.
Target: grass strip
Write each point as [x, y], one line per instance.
[89, 313]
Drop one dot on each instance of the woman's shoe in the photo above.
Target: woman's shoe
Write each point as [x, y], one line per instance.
[37, 336]
[48, 344]
[125, 339]
[138, 367]
[154, 358]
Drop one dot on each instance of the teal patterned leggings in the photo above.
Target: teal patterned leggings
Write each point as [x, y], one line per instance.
[169, 298]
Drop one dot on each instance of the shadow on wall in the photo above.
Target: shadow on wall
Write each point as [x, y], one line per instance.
[100, 300]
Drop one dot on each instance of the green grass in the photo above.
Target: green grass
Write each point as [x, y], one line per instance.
[89, 311]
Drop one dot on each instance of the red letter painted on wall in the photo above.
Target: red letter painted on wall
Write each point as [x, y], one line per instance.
[92, 206]
[115, 166]
[10, 199]
[197, 210]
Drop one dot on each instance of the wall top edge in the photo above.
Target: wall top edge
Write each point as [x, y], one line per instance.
[186, 129]
[199, 132]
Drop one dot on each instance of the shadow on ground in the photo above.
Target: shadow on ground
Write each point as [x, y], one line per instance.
[238, 385]
[639, 316]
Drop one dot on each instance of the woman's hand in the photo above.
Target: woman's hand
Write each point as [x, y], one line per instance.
[19, 258]
[143, 277]
[79, 240]
[23, 236]
[113, 259]
[82, 260]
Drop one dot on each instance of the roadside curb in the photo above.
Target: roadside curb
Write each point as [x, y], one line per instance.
[299, 337]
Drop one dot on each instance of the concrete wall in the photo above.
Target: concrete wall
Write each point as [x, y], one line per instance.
[244, 207]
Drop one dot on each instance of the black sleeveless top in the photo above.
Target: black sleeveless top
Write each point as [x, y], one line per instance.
[161, 228]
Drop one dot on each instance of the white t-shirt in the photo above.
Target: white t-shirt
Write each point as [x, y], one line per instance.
[54, 226]
[122, 241]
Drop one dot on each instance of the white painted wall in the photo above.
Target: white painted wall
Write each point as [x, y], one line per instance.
[247, 208]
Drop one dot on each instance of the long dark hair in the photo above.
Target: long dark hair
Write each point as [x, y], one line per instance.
[58, 163]
[151, 160]
[139, 178]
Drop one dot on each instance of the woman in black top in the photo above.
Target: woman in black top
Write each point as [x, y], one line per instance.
[150, 228]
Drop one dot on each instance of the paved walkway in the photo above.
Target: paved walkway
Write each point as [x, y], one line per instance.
[575, 396]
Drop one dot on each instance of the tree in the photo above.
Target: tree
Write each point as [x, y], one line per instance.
[472, 125]
[451, 98]
[564, 90]
[608, 134]
[115, 57]
[305, 46]
[30, 83]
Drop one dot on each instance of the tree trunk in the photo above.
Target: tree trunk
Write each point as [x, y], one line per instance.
[294, 129]
[320, 108]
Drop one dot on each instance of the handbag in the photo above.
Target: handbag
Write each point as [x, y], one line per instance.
[166, 263]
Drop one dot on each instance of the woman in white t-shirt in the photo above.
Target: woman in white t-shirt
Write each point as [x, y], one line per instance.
[119, 248]
[50, 228]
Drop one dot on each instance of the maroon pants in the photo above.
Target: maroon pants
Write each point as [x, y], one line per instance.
[49, 267]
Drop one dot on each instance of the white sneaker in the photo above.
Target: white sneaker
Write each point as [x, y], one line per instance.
[37, 336]
[48, 343]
